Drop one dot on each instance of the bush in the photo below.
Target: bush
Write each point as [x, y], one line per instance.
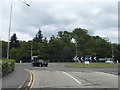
[8, 66]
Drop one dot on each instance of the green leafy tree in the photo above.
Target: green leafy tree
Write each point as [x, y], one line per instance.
[14, 54]
[4, 49]
[25, 51]
[14, 43]
[45, 40]
[52, 38]
[38, 37]
[60, 47]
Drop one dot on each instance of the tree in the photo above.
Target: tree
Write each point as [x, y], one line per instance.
[52, 38]
[14, 54]
[45, 40]
[38, 37]
[4, 49]
[14, 43]
[55, 50]
[25, 51]
[60, 47]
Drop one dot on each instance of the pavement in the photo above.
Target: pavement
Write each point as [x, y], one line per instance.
[59, 76]
[15, 79]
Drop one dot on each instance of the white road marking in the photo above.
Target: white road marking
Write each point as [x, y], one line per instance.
[107, 74]
[72, 77]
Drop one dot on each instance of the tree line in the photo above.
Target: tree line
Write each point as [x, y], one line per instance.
[60, 48]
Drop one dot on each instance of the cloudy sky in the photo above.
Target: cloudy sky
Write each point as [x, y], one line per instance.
[99, 18]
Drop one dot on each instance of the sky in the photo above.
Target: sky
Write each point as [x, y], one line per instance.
[98, 17]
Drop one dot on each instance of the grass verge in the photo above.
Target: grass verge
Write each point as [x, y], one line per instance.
[93, 65]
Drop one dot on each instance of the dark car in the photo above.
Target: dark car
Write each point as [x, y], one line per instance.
[39, 62]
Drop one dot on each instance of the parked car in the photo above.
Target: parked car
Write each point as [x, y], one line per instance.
[109, 62]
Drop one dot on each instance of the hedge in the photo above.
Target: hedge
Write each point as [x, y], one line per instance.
[8, 66]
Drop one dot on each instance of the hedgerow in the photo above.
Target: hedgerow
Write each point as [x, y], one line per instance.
[8, 66]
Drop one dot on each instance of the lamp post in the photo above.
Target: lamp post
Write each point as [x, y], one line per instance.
[112, 53]
[8, 48]
[0, 49]
[31, 50]
[76, 54]
[76, 49]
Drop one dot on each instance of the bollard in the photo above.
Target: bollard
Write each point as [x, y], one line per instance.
[87, 62]
[20, 61]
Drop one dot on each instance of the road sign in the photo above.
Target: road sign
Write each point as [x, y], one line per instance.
[90, 58]
[95, 58]
[86, 58]
[76, 58]
[81, 58]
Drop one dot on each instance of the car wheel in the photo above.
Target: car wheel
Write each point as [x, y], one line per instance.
[46, 65]
[41, 65]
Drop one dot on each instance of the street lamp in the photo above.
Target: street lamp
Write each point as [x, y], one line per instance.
[31, 49]
[0, 49]
[8, 49]
[76, 54]
[112, 52]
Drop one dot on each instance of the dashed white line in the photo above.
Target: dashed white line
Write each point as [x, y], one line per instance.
[72, 77]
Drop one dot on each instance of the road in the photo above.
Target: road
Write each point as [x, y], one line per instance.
[59, 76]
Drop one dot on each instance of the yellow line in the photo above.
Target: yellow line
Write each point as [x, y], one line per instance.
[24, 81]
[33, 80]
[30, 78]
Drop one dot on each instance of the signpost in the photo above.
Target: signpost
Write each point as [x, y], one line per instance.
[76, 59]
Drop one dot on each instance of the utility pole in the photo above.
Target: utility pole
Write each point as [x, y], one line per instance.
[31, 50]
[76, 49]
[112, 53]
[8, 48]
[0, 48]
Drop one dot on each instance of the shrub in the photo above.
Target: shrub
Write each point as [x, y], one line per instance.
[8, 66]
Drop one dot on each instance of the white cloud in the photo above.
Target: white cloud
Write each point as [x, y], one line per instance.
[97, 17]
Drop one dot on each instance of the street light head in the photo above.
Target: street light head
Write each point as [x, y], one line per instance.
[28, 5]
[25, 3]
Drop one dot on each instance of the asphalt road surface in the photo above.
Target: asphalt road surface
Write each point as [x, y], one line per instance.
[59, 76]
